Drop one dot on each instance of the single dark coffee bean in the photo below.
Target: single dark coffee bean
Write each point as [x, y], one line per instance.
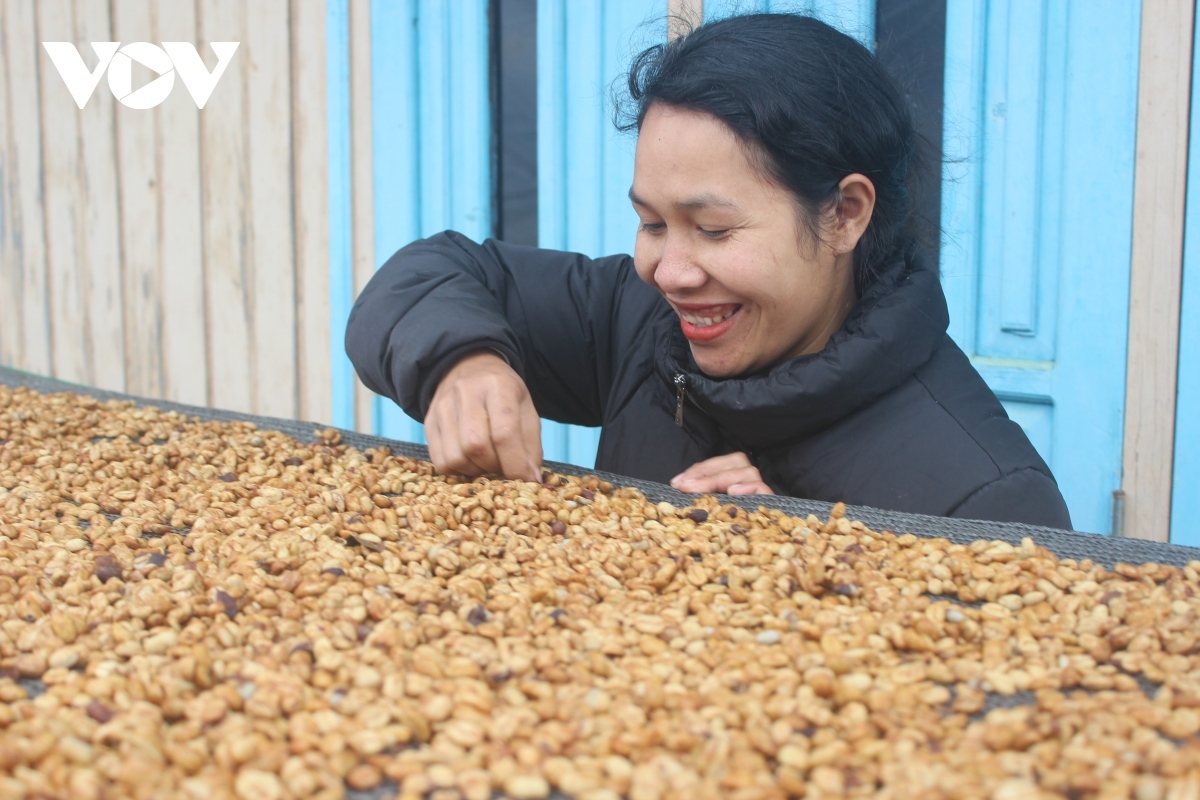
[99, 712]
[106, 572]
[227, 602]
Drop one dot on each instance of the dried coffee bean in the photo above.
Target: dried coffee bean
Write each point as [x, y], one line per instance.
[228, 604]
[99, 712]
[464, 642]
[106, 568]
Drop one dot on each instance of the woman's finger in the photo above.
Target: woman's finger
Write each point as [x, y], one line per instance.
[474, 440]
[531, 427]
[712, 466]
[433, 440]
[509, 420]
[756, 487]
[720, 482]
[444, 450]
[443, 432]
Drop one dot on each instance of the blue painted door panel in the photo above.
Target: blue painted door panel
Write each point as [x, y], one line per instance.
[585, 166]
[1040, 115]
[432, 135]
[1185, 500]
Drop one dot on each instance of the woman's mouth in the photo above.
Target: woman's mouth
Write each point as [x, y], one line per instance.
[706, 323]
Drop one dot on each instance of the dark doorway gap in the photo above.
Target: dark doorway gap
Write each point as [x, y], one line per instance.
[911, 44]
[514, 120]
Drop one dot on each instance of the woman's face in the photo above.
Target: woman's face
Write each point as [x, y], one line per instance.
[725, 246]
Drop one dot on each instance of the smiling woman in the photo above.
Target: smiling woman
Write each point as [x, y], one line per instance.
[751, 287]
[777, 329]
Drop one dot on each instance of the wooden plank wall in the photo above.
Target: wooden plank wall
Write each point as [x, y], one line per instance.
[362, 177]
[1164, 92]
[174, 253]
[25, 299]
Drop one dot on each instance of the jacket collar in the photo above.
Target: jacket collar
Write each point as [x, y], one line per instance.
[895, 328]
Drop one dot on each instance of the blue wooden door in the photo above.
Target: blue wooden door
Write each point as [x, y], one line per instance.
[432, 135]
[1185, 500]
[1041, 102]
[585, 166]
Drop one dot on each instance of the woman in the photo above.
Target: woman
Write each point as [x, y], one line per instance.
[775, 331]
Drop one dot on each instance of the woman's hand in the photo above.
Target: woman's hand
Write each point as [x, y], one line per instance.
[731, 474]
[482, 421]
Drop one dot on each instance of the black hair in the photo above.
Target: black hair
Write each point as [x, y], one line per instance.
[811, 104]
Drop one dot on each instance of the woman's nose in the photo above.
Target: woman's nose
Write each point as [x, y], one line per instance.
[677, 269]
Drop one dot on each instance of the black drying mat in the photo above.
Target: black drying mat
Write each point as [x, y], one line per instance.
[1103, 550]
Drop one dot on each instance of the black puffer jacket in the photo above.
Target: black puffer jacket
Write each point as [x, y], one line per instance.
[890, 414]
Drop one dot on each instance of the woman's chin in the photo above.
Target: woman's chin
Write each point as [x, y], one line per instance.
[715, 365]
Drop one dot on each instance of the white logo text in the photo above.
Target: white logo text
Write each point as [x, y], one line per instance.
[165, 61]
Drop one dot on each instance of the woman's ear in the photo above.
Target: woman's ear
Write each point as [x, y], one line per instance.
[855, 206]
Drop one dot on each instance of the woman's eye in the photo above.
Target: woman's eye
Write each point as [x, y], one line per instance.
[714, 234]
[652, 227]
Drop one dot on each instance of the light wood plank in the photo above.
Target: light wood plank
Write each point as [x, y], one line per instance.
[232, 359]
[64, 197]
[137, 174]
[310, 144]
[683, 15]
[25, 261]
[10, 276]
[268, 57]
[1164, 85]
[101, 234]
[362, 175]
[184, 340]
[10, 285]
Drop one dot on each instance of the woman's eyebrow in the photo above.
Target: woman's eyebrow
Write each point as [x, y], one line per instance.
[699, 201]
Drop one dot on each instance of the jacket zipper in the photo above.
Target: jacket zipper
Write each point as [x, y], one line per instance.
[681, 389]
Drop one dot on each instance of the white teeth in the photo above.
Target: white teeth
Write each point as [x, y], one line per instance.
[704, 322]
